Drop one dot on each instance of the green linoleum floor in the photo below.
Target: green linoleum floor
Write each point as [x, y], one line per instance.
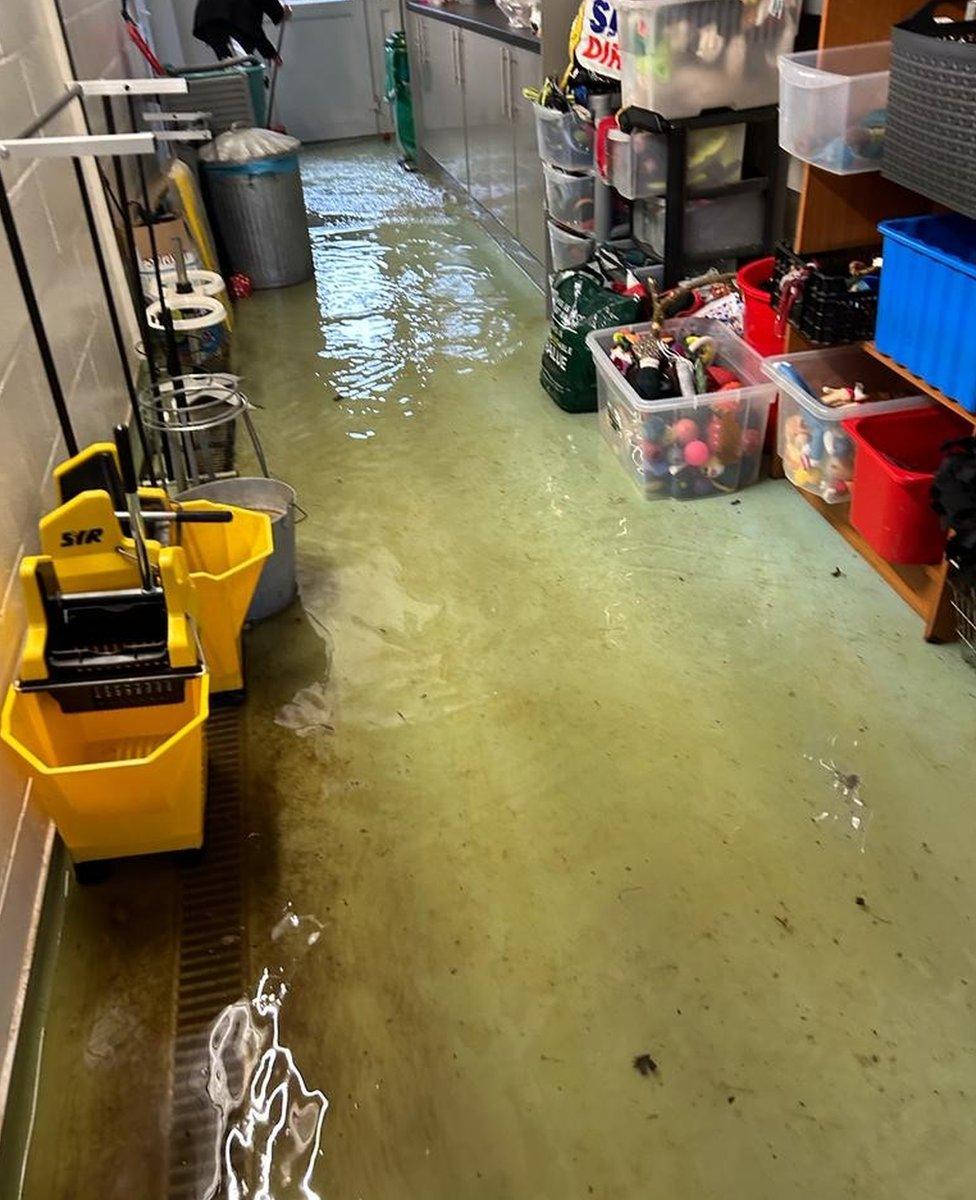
[552, 778]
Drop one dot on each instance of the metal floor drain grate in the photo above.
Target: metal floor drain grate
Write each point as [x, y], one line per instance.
[212, 959]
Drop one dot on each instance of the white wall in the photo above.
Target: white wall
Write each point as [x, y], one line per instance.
[33, 71]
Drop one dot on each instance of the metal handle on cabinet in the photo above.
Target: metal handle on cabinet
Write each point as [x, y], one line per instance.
[456, 55]
[505, 87]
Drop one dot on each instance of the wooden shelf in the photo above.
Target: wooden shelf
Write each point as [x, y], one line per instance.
[921, 587]
[918, 382]
[839, 211]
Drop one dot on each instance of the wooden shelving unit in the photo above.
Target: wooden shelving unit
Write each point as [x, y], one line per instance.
[918, 382]
[840, 211]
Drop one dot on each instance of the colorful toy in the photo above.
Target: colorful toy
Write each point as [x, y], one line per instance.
[701, 445]
[685, 431]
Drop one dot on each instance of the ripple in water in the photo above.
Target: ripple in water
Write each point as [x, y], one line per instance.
[270, 1122]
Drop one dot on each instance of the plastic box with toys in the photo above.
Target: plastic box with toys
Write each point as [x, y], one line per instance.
[819, 389]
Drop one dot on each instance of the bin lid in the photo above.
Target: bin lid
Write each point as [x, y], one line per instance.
[237, 146]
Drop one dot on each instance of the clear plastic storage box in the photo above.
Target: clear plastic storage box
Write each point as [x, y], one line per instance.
[659, 442]
[818, 456]
[565, 139]
[568, 249]
[569, 198]
[637, 162]
[680, 57]
[712, 225]
[833, 106]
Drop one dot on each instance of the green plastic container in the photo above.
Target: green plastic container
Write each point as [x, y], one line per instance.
[398, 93]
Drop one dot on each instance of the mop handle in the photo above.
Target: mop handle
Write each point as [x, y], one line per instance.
[275, 67]
[131, 488]
[184, 518]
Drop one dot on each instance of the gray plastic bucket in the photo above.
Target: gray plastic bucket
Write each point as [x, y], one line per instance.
[277, 586]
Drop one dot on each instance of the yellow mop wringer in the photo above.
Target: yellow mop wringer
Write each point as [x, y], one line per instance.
[109, 707]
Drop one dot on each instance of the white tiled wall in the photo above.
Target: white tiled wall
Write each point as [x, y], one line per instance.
[33, 70]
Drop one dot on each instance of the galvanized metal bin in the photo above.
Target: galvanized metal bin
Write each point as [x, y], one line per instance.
[254, 192]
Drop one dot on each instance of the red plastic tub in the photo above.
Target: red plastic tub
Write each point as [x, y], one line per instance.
[759, 319]
[898, 454]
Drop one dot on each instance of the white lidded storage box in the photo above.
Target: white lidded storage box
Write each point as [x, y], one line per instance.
[569, 198]
[568, 249]
[565, 138]
[818, 456]
[833, 106]
[680, 57]
[655, 439]
[637, 162]
[713, 225]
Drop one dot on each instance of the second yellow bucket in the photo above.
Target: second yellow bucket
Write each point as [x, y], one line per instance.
[225, 565]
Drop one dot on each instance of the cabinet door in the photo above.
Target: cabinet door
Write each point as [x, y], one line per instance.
[443, 97]
[530, 191]
[491, 139]
[415, 50]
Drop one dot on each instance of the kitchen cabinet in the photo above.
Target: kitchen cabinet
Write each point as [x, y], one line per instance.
[530, 189]
[475, 123]
[491, 138]
[441, 96]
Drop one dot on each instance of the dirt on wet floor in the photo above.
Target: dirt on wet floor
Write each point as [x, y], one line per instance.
[594, 846]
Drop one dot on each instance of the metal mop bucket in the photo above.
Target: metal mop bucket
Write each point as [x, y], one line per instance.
[199, 327]
[277, 586]
[198, 415]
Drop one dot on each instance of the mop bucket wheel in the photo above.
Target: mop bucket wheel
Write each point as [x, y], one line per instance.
[225, 563]
[115, 782]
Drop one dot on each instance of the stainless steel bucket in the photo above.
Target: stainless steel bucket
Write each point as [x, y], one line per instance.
[278, 586]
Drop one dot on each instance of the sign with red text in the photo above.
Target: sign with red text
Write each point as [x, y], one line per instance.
[598, 50]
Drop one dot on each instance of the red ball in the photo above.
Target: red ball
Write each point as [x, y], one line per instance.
[240, 286]
[697, 454]
[685, 431]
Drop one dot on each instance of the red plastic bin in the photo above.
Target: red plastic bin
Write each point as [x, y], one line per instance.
[898, 454]
[759, 317]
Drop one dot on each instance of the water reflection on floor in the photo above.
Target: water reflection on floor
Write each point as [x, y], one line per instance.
[564, 782]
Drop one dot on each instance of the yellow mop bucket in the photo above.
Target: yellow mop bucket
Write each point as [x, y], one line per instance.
[116, 782]
[225, 564]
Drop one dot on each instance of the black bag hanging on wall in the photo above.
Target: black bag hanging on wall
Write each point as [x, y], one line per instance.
[930, 139]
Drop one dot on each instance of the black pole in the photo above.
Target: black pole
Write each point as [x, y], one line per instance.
[51, 111]
[135, 280]
[37, 322]
[169, 334]
[113, 314]
[674, 206]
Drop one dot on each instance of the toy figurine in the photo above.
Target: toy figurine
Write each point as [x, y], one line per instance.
[837, 476]
[838, 396]
[796, 443]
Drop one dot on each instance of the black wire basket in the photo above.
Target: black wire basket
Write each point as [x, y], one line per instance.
[822, 307]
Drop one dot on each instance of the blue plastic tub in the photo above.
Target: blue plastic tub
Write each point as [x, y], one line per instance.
[928, 300]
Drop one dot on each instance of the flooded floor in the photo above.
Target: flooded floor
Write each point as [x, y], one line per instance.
[604, 848]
